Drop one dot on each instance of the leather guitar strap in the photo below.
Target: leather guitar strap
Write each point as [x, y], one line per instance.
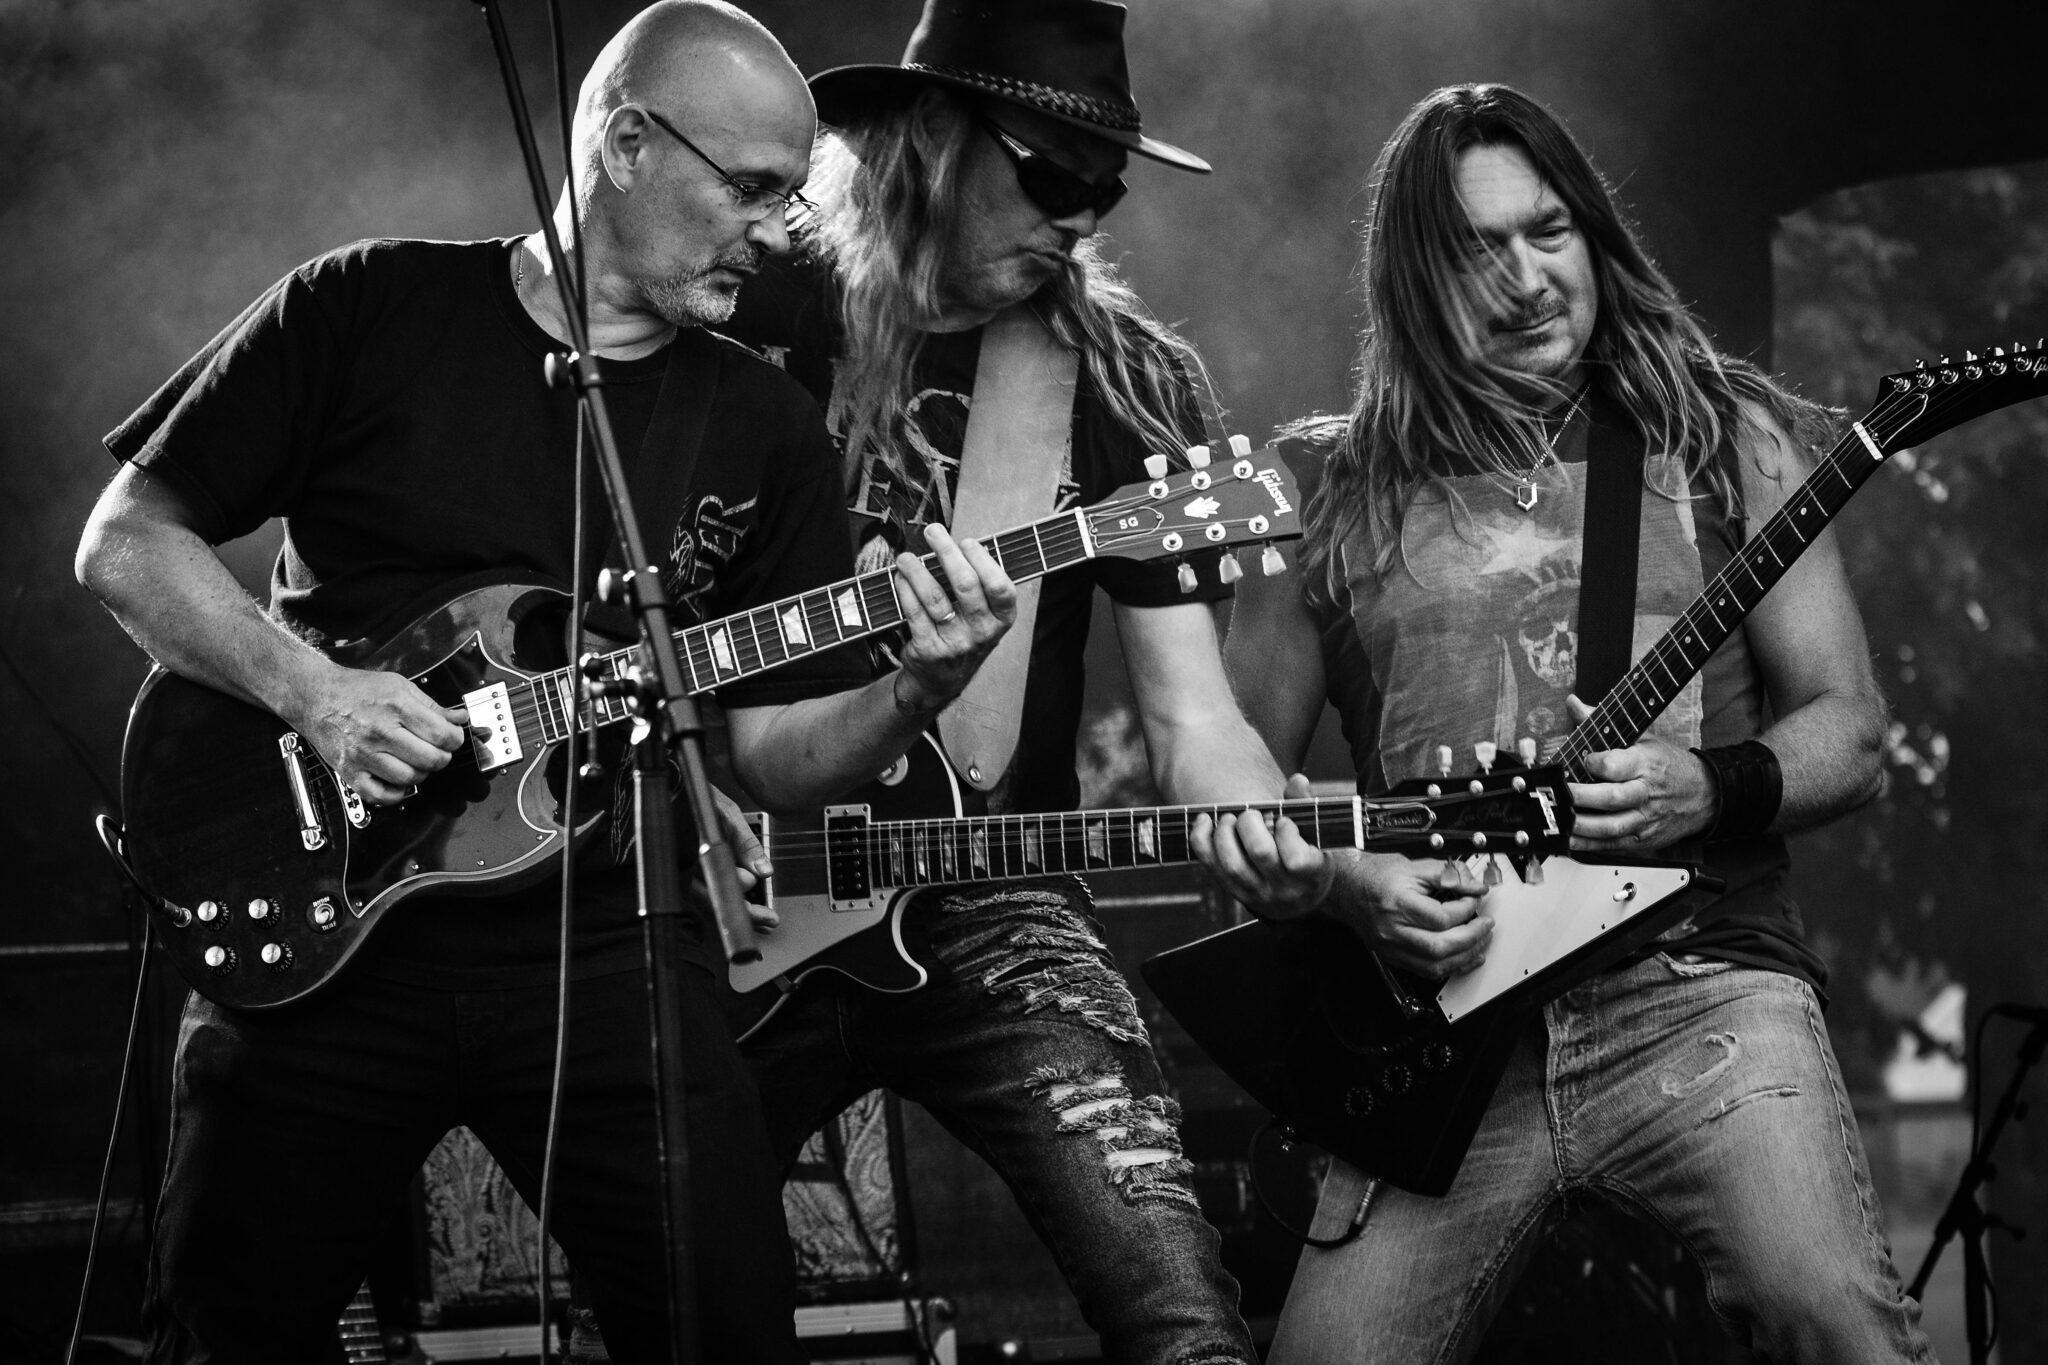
[659, 477]
[1018, 429]
[1607, 566]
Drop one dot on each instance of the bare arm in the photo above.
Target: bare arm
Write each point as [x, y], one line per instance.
[1202, 750]
[1420, 914]
[143, 556]
[806, 753]
[1807, 638]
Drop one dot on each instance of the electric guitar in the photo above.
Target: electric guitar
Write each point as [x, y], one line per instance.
[269, 874]
[362, 1337]
[842, 881]
[1344, 1056]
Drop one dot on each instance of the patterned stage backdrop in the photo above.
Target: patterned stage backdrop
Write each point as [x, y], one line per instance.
[480, 1234]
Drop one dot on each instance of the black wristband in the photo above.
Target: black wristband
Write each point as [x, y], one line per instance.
[1749, 784]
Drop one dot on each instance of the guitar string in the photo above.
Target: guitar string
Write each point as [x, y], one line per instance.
[1632, 704]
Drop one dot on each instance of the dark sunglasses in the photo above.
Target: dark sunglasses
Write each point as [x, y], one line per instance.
[1051, 186]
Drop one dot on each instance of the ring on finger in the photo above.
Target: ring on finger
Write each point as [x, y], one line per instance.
[941, 620]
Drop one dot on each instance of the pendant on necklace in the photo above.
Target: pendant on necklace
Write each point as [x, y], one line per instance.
[1525, 492]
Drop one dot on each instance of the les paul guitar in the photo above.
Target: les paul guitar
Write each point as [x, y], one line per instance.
[842, 882]
[269, 874]
[1300, 1014]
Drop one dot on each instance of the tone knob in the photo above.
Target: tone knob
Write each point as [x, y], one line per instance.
[260, 909]
[219, 960]
[1396, 1079]
[277, 956]
[1358, 1101]
[208, 912]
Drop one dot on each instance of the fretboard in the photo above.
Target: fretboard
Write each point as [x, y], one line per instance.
[362, 1339]
[994, 847]
[750, 642]
[1649, 686]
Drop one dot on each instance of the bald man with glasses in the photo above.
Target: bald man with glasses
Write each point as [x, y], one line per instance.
[387, 401]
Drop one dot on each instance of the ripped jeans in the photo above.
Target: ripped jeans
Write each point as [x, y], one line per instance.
[1701, 1095]
[1027, 1046]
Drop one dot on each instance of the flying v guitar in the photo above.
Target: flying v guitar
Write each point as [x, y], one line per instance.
[269, 874]
[1299, 1014]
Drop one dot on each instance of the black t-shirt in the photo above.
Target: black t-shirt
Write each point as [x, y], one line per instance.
[387, 401]
[786, 313]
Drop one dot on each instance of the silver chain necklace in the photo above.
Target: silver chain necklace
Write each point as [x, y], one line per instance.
[1526, 487]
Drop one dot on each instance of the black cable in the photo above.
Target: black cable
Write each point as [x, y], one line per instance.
[111, 839]
[572, 635]
[1259, 1192]
[572, 780]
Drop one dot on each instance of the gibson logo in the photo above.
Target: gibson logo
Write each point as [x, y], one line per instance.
[1270, 478]
[1405, 818]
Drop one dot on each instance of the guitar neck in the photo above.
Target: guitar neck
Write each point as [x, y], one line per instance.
[362, 1338]
[750, 642]
[996, 847]
[1682, 651]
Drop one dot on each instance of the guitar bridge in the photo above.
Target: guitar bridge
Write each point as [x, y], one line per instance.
[312, 833]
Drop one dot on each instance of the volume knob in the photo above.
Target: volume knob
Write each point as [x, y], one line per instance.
[220, 960]
[277, 956]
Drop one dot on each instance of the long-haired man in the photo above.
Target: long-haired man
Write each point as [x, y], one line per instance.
[958, 191]
[1514, 324]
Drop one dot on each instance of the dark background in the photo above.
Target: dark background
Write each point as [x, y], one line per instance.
[161, 161]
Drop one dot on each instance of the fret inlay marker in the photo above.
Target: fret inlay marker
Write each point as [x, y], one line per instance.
[849, 608]
[793, 626]
[721, 651]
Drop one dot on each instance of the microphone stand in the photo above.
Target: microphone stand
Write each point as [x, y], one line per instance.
[1964, 1214]
[665, 716]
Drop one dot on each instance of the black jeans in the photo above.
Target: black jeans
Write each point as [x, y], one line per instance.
[292, 1131]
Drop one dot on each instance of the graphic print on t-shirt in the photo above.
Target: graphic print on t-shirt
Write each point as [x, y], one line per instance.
[706, 540]
[1474, 632]
[890, 506]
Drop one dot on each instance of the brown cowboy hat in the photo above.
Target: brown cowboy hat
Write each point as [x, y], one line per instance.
[1064, 58]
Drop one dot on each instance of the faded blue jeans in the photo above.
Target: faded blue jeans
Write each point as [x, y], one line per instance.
[1701, 1095]
[1027, 1046]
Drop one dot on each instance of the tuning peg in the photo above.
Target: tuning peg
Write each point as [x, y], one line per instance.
[1969, 357]
[1230, 570]
[1998, 350]
[1443, 760]
[1944, 361]
[1526, 747]
[1270, 562]
[1486, 751]
[1240, 445]
[1187, 577]
[1492, 874]
[1198, 457]
[1155, 466]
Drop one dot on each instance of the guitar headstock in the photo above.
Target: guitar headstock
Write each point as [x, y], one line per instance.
[1506, 810]
[1249, 498]
[1925, 401]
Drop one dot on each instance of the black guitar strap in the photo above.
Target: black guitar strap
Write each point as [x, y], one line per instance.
[659, 477]
[1607, 570]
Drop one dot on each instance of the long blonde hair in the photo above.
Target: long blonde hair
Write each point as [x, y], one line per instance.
[889, 194]
[1426, 398]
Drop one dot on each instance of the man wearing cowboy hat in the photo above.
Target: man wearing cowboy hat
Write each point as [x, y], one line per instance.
[950, 254]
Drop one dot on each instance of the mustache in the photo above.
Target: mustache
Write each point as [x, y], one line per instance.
[1530, 314]
[746, 260]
